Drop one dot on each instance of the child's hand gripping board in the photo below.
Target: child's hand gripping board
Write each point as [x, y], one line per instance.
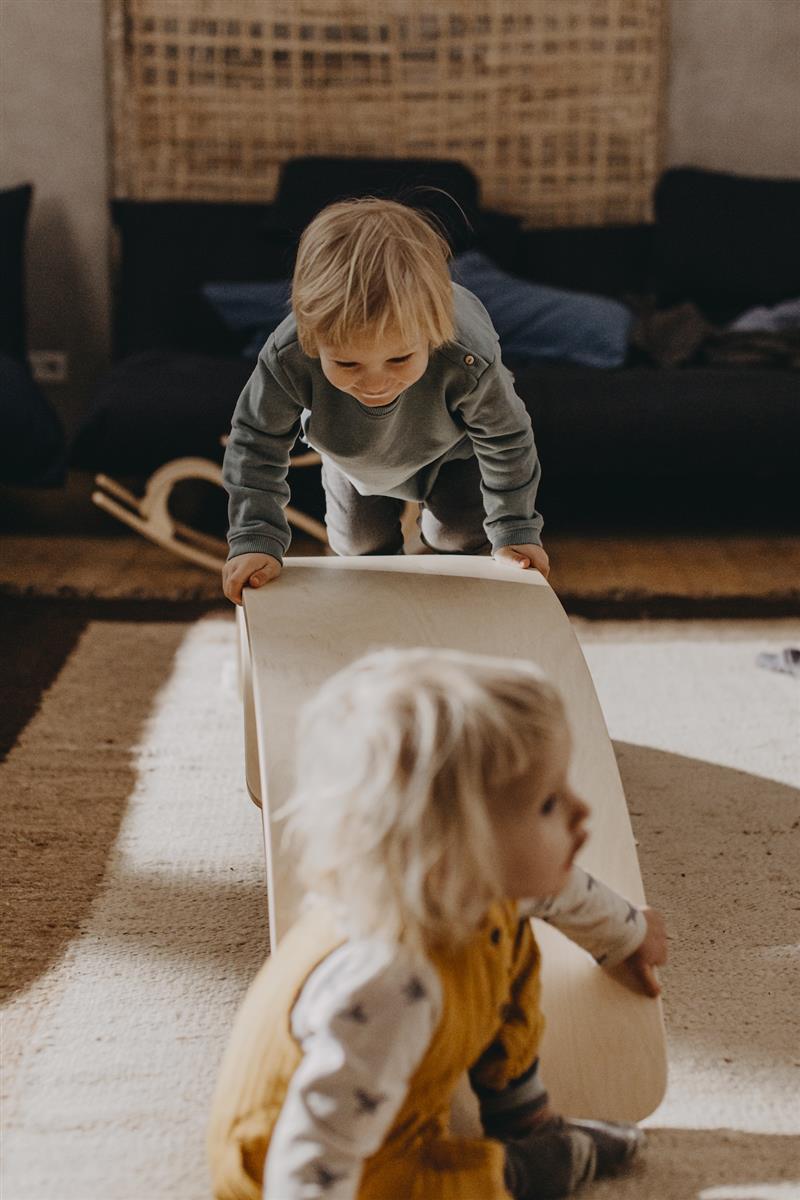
[604, 1049]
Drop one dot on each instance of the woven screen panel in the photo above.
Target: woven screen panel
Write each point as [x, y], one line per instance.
[557, 105]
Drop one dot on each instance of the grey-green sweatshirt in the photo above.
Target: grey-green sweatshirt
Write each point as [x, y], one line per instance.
[464, 404]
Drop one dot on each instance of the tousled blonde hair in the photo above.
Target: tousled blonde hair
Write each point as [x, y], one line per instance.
[402, 757]
[372, 266]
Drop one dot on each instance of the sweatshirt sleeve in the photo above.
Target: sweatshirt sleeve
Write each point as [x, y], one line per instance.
[593, 915]
[502, 437]
[266, 422]
[364, 1020]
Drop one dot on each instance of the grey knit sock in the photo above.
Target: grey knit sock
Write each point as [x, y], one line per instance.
[616, 1143]
[551, 1162]
[557, 1157]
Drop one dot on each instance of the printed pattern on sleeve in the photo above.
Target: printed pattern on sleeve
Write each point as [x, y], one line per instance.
[593, 915]
[364, 1019]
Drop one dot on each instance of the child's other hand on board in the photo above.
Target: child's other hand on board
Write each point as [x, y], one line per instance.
[248, 570]
[526, 556]
[651, 954]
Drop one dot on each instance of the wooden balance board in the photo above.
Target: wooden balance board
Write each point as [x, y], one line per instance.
[604, 1039]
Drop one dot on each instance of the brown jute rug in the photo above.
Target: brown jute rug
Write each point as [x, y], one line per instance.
[57, 544]
[135, 905]
[594, 575]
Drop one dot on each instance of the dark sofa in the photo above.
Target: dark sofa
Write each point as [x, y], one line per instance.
[32, 445]
[640, 444]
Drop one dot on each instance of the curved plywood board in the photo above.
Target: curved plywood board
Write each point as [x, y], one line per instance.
[604, 1051]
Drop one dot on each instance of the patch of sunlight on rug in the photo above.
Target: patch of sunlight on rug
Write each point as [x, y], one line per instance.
[113, 1090]
[722, 707]
[707, 746]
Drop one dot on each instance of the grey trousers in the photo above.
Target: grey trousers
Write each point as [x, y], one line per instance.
[451, 521]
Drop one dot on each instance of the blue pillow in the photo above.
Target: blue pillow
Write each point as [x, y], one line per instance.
[250, 309]
[536, 322]
[533, 321]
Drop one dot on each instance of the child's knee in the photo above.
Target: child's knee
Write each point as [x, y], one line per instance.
[364, 542]
[452, 539]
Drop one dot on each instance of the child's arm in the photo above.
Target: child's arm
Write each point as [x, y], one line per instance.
[266, 422]
[611, 928]
[500, 431]
[364, 1020]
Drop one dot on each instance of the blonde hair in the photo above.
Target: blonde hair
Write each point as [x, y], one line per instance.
[401, 757]
[372, 266]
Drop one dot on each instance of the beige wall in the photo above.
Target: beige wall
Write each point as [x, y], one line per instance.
[734, 105]
[53, 129]
[734, 101]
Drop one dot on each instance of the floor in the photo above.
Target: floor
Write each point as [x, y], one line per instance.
[704, 745]
[134, 884]
[60, 544]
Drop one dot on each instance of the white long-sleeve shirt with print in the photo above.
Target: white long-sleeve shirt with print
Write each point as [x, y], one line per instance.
[365, 1019]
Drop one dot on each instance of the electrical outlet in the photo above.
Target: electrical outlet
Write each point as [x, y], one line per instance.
[49, 366]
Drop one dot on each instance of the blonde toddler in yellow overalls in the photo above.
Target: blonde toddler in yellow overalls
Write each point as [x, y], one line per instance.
[433, 817]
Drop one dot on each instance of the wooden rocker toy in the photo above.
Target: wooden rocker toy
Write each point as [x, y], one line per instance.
[607, 1039]
[150, 515]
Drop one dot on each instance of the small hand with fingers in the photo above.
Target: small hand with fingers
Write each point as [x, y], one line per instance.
[527, 556]
[248, 570]
[652, 953]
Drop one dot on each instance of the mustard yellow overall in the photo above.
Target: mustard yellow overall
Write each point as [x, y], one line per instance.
[491, 1020]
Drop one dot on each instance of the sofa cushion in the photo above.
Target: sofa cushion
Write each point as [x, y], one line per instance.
[447, 190]
[160, 405]
[156, 406]
[31, 437]
[709, 444]
[726, 242]
[250, 310]
[14, 206]
[611, 260]
[169, 249]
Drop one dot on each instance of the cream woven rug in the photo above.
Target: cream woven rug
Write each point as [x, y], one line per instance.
[136, 911]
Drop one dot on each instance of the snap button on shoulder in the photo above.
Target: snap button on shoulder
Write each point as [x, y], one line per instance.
[469, 359]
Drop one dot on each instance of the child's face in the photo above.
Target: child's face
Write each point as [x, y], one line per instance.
[539, 824]
[374, 370]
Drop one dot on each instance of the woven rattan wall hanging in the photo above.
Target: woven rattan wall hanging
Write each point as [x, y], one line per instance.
[557, 105]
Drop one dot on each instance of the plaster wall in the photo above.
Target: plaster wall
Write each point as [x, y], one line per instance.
[734, 92]
[734, 104]
[53, 131]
